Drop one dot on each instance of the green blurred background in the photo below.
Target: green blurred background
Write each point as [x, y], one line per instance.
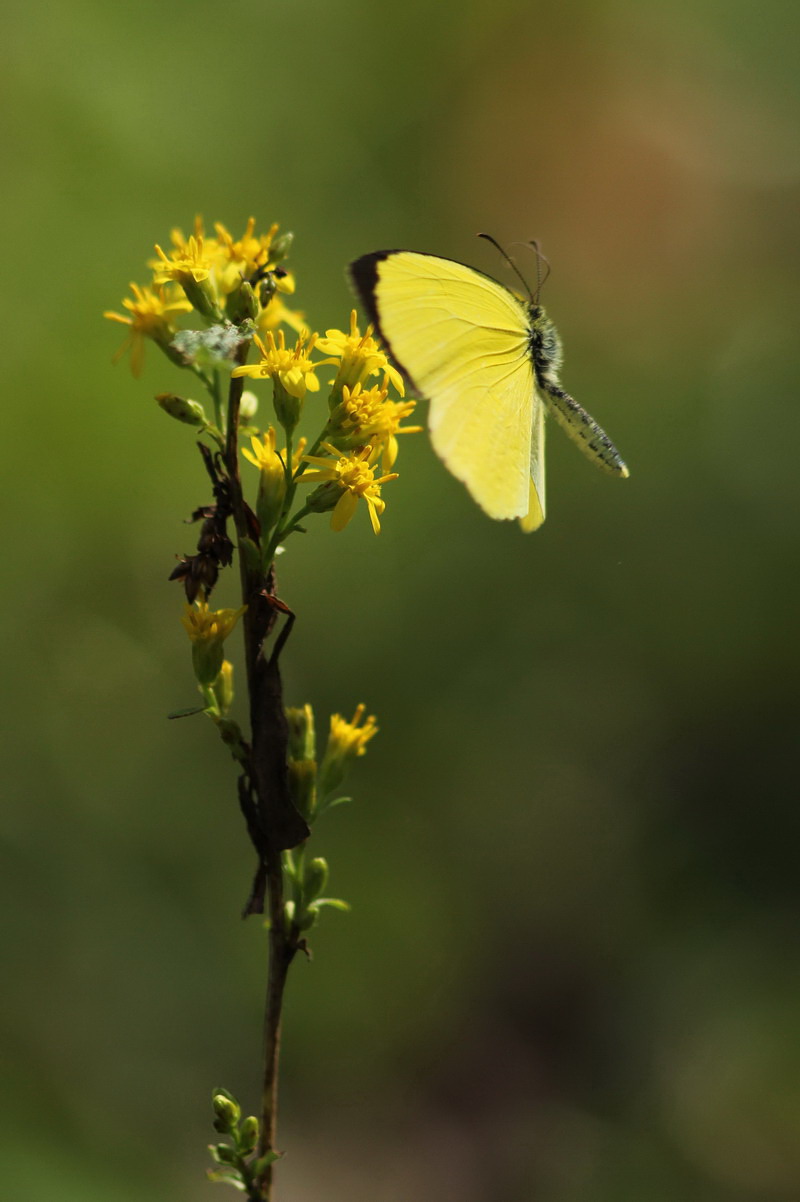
[571, 969]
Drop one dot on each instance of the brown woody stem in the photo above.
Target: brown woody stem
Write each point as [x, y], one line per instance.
[273, 821]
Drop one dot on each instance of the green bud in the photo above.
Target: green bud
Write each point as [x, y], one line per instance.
[287, 407]
[302, 741]
[182, 409]
[303, 786]
[208, 656]
[281, 247]
[248, 1135]
[227, 1111]
[242, 304]
[271, 493]
[201, 296]
[248, 406]
[324, 497]
[223, 687]
[316, 878]
[308, 919]
[222, 1154]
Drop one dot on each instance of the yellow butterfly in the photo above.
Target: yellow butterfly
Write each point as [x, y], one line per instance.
[488, 362]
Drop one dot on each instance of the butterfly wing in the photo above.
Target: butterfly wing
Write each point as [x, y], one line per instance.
[533, 519]
[463, 340]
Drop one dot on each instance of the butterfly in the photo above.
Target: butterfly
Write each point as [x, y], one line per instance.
[488, 361]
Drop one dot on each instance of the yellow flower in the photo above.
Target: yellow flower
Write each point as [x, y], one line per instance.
[190, 261]
[346, 478]
[250, 252]
[360, 356]
[207, 625]
[292, 367]
[240, 260]
[366, 415]
[208, 630]
[346, 741]
[151, 312]
[350, 738]
[191, 265]
[272, 485]
[264, 454]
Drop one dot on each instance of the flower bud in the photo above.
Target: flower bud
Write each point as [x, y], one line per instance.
[302, 742]
[227, 1112]
[248, 406]
[325, 497]
[303, 786]
[281, 247]
[242, 304]
[223, 1154]
[287, 407]
[316, 878]
[248, 1135]
[181, 408]
[201, 296]
[208, 630]
[223, 687]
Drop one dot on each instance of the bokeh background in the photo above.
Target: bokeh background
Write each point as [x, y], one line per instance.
[571, 969]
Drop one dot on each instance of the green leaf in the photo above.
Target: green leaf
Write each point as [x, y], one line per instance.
[336, 903]
[227, 1177]
[192, 709]
[222, 1154]
[263, 1162]
[328, 805]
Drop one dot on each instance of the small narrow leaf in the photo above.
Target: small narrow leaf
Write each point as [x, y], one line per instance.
[336, 903]
[193, 709]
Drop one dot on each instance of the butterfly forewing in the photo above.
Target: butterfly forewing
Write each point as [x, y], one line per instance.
[463, 340]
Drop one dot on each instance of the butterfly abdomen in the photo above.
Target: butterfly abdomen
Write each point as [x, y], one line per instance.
[584, 430]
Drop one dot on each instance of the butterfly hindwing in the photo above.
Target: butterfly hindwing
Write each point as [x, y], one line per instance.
[533, 519]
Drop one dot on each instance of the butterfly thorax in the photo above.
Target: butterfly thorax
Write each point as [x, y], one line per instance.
[545, 346]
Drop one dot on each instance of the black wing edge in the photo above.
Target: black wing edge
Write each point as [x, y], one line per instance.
[363, 275]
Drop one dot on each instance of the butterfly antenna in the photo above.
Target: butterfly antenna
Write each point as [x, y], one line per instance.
[540, 258]
[511, 264]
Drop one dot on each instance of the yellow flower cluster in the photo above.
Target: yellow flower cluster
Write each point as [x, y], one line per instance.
[237, 286]
[290, 365]
[366, 415]
[205, 272]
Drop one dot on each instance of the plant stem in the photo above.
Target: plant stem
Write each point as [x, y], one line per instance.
[276, 824]
[281, 954]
